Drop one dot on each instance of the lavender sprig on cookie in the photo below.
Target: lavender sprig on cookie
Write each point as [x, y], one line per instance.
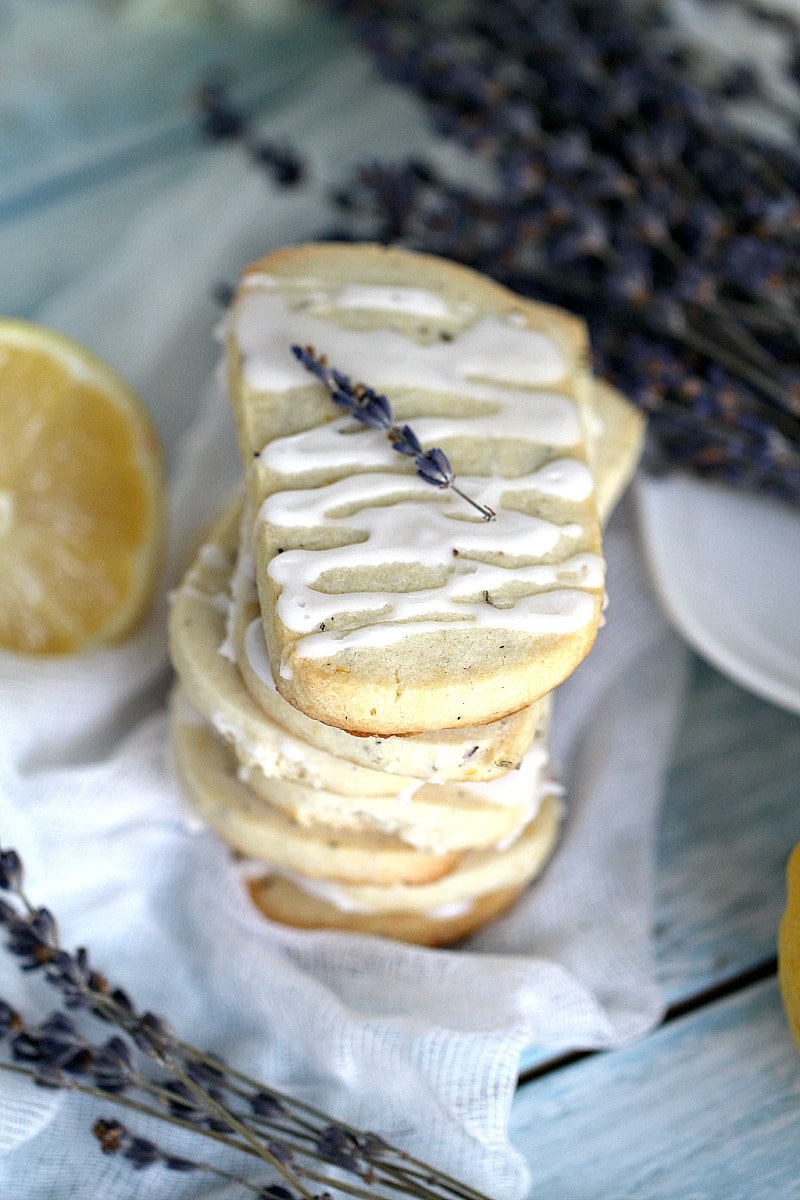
[374, 410]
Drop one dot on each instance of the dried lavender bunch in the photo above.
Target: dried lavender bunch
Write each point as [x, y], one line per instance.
[373, 409]
[705, 417]
[220, 120]
[145, 1068]
[621, 191]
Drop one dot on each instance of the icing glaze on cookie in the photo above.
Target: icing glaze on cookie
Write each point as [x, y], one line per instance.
[506, 371]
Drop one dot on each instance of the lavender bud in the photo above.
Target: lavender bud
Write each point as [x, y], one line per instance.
[740, 83]
[264, 1105]
[793, 66]
[333, 1137]
[340, 1148]
[58, 1024]
[375, 412]
[283, 164]
[342, 399]
[374, 1145]
[44, 924]
[305, 355]
[217, 1123]
[152, 1034]
[10, 1020]
[110, 1135]
[141, 1153]
[111, 1066]
[222, 293]
[219, 120]
[70, 974]
[284, 1154]
[405, 441]
[78, 1062]
[11, 871]
[26, 1047]
[206, 1073]
[434, 467]
[173, 1163]
[48, 1076]
[122, 1001]
[182, 1102]
[33, 940]
[60, 1044]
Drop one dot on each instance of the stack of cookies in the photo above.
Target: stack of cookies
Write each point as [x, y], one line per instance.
[367, 642]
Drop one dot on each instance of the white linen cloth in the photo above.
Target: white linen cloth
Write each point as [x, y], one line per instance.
[421, 1045]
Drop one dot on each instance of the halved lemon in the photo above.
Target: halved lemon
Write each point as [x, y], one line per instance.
[81, 497]
[789, 946]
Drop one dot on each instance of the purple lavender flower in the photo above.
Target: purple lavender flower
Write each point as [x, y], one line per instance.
[374, 410]
[618, 179]
[10, 871]
[220, 120]
[200, 1093]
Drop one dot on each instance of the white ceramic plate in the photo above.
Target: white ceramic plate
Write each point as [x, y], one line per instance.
[727, 570]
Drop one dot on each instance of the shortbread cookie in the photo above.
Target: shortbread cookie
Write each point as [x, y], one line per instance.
[615, 445]
[389, 605]
[198, 622]
[436, 818]
[481, 873]
[474, 752]
[203, 645]
[208, 772]
[197, 629]
[283, 901]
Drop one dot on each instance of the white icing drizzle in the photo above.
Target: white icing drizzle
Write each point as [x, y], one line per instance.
[242, 589]
[337, 442]
[415, 302]
[255, 649]
[492, 348]
[498, 361]
[561, 478]
[429, 538]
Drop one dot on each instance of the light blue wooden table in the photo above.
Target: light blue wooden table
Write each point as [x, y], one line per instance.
[708, 1106]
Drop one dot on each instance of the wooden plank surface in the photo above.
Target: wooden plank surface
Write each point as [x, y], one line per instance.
[706, 1108]
[730, 816]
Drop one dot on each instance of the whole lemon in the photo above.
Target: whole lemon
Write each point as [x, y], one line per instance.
[789, 946]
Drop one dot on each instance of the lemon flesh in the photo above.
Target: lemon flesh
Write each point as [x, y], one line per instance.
[81, 497]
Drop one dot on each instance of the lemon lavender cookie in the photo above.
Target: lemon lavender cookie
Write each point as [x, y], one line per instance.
[390, 605]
